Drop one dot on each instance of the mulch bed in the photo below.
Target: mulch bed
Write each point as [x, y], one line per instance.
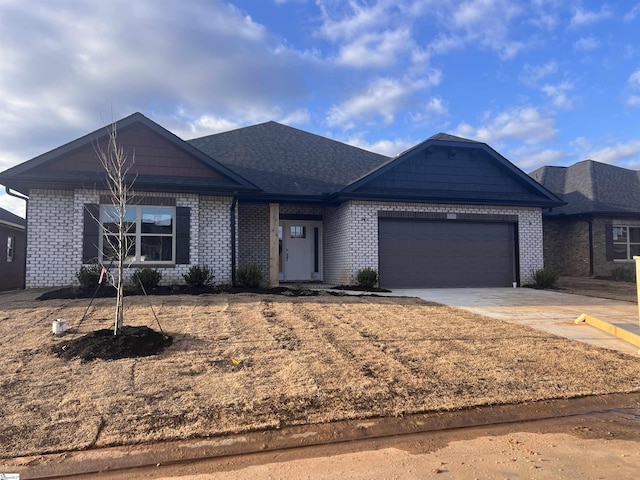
[131, 342]
[106, 291]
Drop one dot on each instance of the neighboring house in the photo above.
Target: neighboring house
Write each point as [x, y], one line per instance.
[599, 227]
[447, 212]
[12, 250]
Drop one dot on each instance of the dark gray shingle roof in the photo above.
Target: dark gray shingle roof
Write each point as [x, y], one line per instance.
[284, 160]
[450, 138]
[592, 187]
[8, 217]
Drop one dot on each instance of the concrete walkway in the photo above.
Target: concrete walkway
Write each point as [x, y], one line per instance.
[552, 312]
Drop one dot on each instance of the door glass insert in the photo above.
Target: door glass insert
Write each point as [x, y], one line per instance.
[297, 231]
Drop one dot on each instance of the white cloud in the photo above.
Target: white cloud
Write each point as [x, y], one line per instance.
[297, 117]
[430, 114]
[390, 148]
[616, 153]
[529, 158]
[209, 124]
[382, 99]
[586, 44]
[532, 74]
[379, 50]
[443, 44]
[558, 94]
[525, 124]
[582, 17]
[436, 106]
[488, 22]
[632, 14]
[87, 61]
[632, 101]
[13, 204]
[346, 20]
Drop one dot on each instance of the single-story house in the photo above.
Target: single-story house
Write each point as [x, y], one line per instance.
[447, 212]
[13, 241]
[599, 226]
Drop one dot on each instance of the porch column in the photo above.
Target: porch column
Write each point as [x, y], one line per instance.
[274, 250]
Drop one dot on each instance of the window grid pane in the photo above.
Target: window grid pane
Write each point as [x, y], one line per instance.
[150, 233]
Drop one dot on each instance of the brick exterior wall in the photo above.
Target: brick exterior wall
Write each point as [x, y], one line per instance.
[53, 255]
[253, 235]
[55, 230]
[351, 235]
[214, 245]
[337, 245]
[566, 246]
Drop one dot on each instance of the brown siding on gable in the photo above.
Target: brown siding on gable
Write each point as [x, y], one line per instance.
[153, 155]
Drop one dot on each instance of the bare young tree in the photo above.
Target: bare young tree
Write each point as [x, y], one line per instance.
[119, 185]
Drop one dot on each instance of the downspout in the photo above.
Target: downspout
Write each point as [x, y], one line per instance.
[26, 226]
[234, 202]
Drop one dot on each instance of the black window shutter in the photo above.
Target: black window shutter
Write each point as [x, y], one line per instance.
[608, 234]
[91, 233]
[183, 226]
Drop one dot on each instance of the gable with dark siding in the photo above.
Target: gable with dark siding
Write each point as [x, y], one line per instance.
[445, 169]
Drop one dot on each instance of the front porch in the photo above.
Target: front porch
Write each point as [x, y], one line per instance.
[285, 241]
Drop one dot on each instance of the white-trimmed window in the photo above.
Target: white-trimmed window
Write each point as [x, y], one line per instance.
[626, 242]
[150, 234]
[11, 248]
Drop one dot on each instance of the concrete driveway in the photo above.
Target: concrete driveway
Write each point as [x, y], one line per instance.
[552, 312]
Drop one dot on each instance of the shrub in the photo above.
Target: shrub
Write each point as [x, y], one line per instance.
[623, 274]
[545, 278]
[249, 276]
[89, 276]
[199, 276]
[367, 277]
[148, 277]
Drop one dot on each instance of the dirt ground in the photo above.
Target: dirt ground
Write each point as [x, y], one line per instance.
[599, 287]
[590, 447]
[242, 363]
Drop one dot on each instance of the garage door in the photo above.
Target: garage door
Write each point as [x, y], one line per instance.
[416, 254]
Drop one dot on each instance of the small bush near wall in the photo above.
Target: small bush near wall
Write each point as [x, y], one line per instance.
[545, 278]
[367, 277]
[249, 276]
[199, 276]
[623, 274]
[89, 276]
[148, 277]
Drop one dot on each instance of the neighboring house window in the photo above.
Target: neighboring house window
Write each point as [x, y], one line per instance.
[626, 242]
[11, 248]
[150, 233]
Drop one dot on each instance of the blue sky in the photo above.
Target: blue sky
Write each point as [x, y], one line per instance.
[544, 82]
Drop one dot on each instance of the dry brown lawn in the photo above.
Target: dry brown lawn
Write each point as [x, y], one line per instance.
[299, 361]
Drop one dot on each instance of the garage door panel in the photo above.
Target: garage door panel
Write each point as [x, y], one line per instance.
[415, 253]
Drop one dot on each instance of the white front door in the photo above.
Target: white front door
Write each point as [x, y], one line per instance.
[299, 250]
